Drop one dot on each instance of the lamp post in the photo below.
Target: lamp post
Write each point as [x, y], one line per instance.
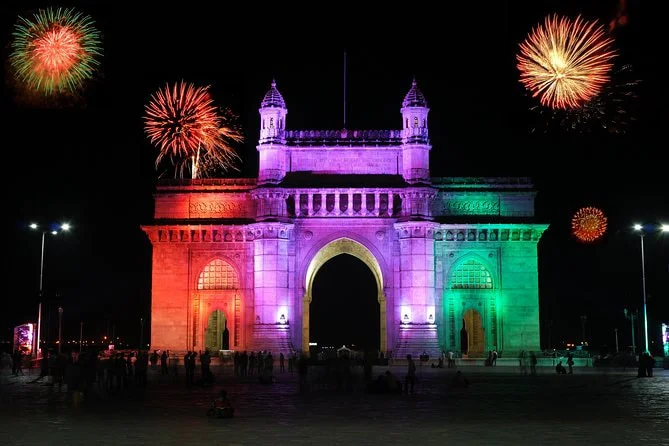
[141, 333]
[81, 334]
[35, 226]
[616, 330]
[60, 328]
[584, 319]
[631, 316]
[639, 229]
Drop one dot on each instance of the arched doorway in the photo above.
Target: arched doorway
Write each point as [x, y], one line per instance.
[217, 335]
[334, 248]
[475, 335]
[344, 308]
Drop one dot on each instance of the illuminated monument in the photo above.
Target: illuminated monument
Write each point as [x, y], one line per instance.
[454, 259]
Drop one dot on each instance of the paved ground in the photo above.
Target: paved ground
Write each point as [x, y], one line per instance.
[500, 407]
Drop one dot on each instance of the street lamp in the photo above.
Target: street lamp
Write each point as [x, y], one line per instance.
[584, 319]
[639, 228]
[60, 328]
[36, 227]
[632, 316]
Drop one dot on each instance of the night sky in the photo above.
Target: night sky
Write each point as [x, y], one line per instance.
[85, 160]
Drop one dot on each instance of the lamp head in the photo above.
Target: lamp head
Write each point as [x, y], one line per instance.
[665, 228]
[638, 227]
[65, 226]
[33, 226]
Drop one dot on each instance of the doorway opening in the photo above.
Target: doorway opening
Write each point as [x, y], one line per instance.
[217, 335]
[345, 309]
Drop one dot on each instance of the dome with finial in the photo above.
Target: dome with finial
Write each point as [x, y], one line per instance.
[414, 98]
[273, 98]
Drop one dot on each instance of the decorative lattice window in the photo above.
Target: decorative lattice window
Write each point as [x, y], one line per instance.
[471, 275]
[218, 275]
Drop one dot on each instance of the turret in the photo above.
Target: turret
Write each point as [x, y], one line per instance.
[271, 145]
[415, 142]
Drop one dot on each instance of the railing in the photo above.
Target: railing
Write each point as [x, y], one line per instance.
[334, 135]
[207, 182]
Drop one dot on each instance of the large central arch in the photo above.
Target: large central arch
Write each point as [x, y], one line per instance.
[334, 248]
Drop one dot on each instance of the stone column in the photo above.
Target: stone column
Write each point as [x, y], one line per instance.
[416, 296]
[336, 210]
[270, 276]
[170, 296]
[518, 307]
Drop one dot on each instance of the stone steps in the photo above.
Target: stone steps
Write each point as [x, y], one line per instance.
[415, 339]
[273, 338]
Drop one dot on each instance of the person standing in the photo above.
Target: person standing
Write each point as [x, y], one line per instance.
[494, 357]
[163, 363]
[187, 367]
[533, 363]
[410, 379]
[17, 362]
[281, 362]
[570, 363]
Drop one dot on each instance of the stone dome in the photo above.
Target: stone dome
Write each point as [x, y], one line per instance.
[273, 98]
[414, 98]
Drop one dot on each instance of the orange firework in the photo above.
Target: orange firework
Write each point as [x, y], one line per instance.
[185, 125]
[565, 62]
[588, 224]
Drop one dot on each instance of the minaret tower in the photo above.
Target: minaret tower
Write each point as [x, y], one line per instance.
[271, 145]
[415, 142]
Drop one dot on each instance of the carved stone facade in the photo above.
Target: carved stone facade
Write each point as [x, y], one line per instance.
[454, 259]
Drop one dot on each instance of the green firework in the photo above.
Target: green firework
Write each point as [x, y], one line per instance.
[55, 51]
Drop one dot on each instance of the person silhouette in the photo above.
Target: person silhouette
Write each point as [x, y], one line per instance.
[410, 379]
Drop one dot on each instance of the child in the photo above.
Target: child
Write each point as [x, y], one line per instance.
[221, 407]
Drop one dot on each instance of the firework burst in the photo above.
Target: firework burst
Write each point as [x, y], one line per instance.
[612, 111]
[588, 224]
[56, 51]
[565, 62]
[184, 124]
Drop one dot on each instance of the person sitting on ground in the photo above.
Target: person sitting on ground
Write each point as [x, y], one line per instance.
[221, 406]
[441, 363]
[459, 381]
[392, 383]
[559, 368]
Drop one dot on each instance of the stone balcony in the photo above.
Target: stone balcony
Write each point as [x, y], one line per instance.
[361, 202]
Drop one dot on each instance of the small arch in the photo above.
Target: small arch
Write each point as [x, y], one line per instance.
[415, 122]
[263, 124]
[280, 123]
[424, 123]
[218, 275]
[407, 123]
[271, 123]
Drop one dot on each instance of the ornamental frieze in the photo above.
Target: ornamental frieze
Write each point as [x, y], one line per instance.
[471, 207]
[204, 209]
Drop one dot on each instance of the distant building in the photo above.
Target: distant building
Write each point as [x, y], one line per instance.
[454, 259]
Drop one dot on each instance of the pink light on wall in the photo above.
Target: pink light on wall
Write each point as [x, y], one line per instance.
[406, 314]
[429, 317]
[282, 315]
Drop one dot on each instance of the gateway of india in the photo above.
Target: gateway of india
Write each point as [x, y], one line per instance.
[454, 259]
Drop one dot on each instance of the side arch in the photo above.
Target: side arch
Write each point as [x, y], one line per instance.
[342, 245]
